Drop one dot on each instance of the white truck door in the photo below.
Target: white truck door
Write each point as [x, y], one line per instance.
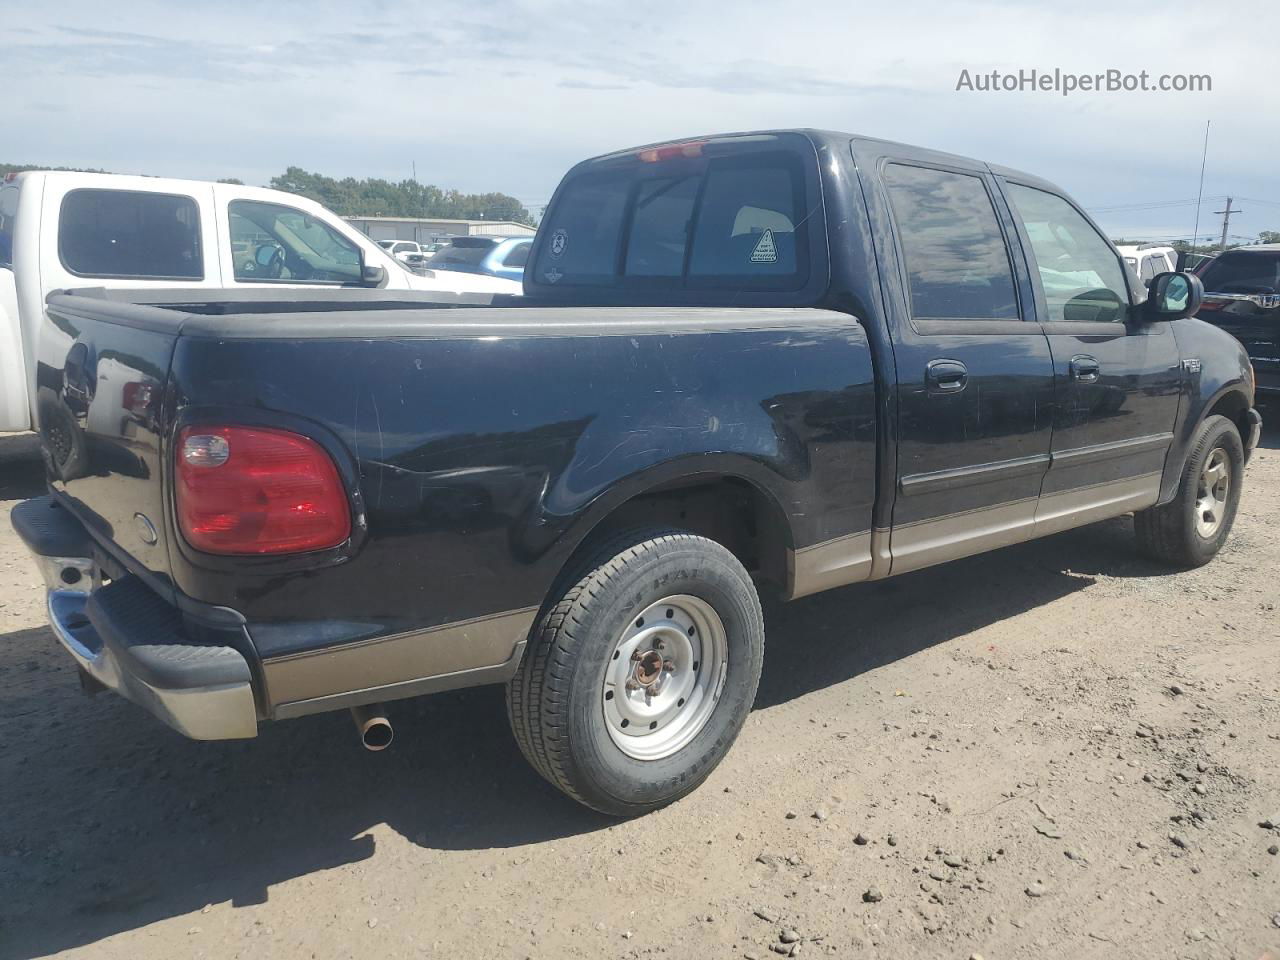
[269, 238]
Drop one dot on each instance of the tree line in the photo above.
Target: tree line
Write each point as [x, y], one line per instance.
[407, 198]
[351, 197]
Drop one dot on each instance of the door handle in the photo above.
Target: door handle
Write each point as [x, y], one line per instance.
[945, 376]
[1084, 369]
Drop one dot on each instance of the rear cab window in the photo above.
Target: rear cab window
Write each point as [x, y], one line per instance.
[685, 222]
[130, 234]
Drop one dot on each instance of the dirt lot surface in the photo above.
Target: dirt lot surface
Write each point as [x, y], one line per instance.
[1058, 749]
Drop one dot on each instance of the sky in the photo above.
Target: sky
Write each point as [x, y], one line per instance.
[506, 96]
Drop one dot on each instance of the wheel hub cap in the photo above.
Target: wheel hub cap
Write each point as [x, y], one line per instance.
[649, 668]
[1212, 492]
[664, 677]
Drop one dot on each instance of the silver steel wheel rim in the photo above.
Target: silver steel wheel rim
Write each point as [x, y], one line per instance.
[664, 677]
[1211, 495]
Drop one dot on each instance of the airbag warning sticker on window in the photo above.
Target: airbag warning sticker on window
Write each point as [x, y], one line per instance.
[766, 251]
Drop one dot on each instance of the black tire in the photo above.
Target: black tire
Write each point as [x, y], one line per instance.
[554, 701]
[1169, 532]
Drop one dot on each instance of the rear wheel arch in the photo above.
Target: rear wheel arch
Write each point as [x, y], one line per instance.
[724, 506]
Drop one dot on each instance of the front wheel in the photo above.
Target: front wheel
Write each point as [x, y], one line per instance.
[1190, 529]
[638, 679]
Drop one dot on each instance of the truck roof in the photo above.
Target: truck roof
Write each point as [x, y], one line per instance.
[127, 181]
[830, 139]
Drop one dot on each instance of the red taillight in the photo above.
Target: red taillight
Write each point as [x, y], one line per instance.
[253, 490]
[669, 151]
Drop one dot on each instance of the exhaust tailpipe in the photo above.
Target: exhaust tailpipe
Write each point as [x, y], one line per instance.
[373, 726]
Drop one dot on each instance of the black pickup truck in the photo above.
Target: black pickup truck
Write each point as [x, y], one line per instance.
[786, 360]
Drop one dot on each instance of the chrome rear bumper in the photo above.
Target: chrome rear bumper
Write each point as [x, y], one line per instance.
[126, 638]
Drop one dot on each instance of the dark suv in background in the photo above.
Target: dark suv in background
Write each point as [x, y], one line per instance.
[1242, 296]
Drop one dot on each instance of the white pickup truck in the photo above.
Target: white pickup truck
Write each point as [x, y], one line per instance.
[61, 230]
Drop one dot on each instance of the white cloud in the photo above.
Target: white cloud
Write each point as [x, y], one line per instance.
[506, 97]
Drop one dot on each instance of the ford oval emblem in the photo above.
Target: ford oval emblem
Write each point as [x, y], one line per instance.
[146, 529]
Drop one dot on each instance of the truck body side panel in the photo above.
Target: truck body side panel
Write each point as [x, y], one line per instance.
[470, 491]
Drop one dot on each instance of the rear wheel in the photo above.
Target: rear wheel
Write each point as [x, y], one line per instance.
[639, 678]
[1190, 529]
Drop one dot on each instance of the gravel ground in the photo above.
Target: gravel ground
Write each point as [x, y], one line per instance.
[1057, 749]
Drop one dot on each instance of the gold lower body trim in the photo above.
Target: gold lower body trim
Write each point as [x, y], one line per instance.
[403, 665]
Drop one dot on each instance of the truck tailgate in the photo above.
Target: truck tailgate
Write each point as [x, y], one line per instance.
[100, 383]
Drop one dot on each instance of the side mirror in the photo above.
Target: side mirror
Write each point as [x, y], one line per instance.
[1173, 296]
[266, 253]
[372, 276]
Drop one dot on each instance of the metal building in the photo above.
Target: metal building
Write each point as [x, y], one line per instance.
[428, 229]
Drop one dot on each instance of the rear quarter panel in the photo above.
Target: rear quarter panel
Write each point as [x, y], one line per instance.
[482, 461]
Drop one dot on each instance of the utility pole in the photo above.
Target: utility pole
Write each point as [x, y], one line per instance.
[1226, 219]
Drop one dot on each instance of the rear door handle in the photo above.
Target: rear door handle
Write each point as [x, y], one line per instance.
[945, 376]
[1084, 369]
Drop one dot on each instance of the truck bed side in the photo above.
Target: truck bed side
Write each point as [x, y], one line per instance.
[480, 447]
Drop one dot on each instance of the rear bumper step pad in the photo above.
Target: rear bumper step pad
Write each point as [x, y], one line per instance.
[130, 640]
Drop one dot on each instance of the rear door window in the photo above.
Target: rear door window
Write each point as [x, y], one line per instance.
[957, 262]
[726, 222]
[1149, 268]
[132, 234]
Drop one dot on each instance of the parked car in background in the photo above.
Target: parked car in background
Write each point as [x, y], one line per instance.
[495, 256]
[408, 252]
[64, 229]
[1242, 296]
[801, 359]
[1147, 260]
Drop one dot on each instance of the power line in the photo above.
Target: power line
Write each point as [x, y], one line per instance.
[1151, 204]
